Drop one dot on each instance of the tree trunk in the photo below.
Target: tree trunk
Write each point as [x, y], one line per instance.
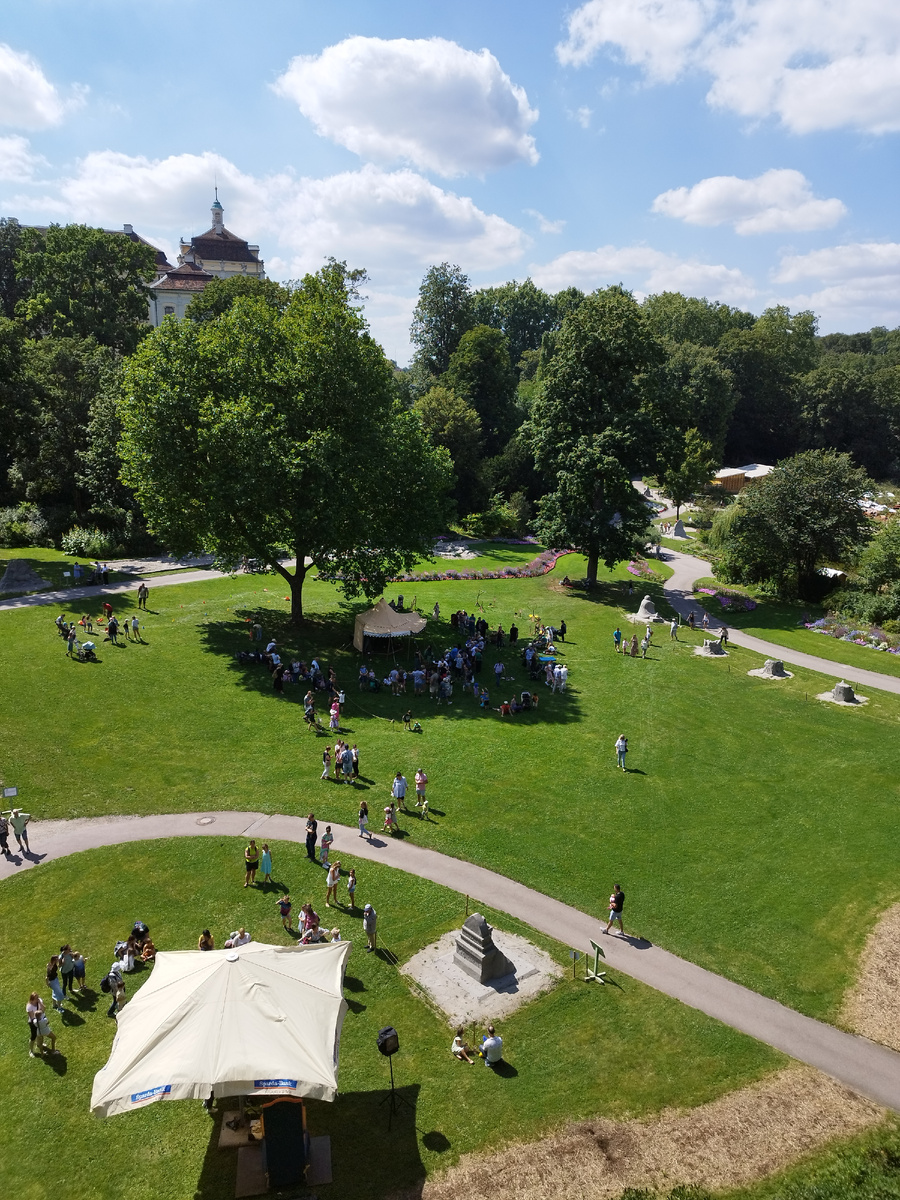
[593, 562]
[295, 583]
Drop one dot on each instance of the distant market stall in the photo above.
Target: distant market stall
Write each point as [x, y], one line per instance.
[255, 1021]
[382, 621]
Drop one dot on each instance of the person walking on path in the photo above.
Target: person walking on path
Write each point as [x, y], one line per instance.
[332, 881]
[351, 889]
[265, 864]
[621, 750]
[312, 826]
[19, 822]
[617, 639]
[616, 904]
[398, 789]
[370, 925]
[54, 985]
[4, 835]
[673, 629]
[326, 762]
[284, 908]
[363, 820]
[251, 862]
[327, 839]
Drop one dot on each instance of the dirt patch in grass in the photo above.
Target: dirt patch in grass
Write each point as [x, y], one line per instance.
[727, 1143]
[872, 1007]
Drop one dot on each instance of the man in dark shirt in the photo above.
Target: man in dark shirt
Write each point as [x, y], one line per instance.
[616, 904]
[312, 826]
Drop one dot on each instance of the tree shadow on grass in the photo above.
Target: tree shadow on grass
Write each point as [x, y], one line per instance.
[391, 1146]
[328, 638]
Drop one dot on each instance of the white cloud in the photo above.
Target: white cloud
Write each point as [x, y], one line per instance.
[28, 100]
[851, 287]
[544, 223]
[816, 64]
[427, 102]
[17, 160]
[581, 115]
[646, 271]
[395, 222]
[776, 201]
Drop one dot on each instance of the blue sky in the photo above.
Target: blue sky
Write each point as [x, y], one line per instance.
[745, 150]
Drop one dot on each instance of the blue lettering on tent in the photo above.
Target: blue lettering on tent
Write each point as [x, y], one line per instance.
[162, 1090]
[279, 1083]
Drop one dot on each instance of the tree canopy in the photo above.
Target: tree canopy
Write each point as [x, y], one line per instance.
[595, 422]
[219, 295]
[480, 373]
[441, 316]
[806, 512]
[84, 282]
[273, 434]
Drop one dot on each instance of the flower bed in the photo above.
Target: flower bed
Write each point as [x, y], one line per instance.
[729, 598]
[872, 638]
[544, 562]
[643, 570]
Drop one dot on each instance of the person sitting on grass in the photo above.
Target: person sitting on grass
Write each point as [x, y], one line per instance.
[460, 1050]
[505, 708]
[148, 951]
[491, 1047]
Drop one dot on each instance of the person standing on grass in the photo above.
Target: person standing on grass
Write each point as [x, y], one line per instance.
[54, 985]
[326, 762]
[351, 889]
[354, 754]
[66, 967]
[673, 629]
[370, 925]
[421, 785]
[116, 989]
[34, 1010]
[616, 905]
[645, 646]
[621, 750]
[363, 820]
[690, 620]
[562, 631]
[71, 639]
[251, 862]
[723, 636]
[136, 628]
[284, 908]
[332, 882]
[617, 640]
[266, 863]
[78, 971]
[398, 789]
[347, 763]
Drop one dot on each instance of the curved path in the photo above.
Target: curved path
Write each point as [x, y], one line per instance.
[686, 569]
[864, 1066]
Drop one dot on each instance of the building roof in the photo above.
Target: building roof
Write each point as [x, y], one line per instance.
[186, 278]
[222, 246]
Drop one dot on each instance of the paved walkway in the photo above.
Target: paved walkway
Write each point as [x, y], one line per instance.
[678, 592]
[864, 1066]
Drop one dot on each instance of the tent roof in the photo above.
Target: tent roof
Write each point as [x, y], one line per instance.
[383, 621]
[252, 1021]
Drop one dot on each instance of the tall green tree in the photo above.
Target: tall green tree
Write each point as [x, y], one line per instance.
[843, 408]
[442, 315]
[679, 318]
[219, 295]
[804, 513]
[767, 363]
[702, 392]
[690, 471]
[521, 311]
[12, 287]
[84, 283]
[265, 433]
[596, 422]
[480, 372]
[452, 423]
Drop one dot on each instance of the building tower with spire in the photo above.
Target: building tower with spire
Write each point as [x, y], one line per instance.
[217, 253]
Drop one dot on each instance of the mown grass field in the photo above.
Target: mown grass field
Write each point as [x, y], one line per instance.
[578, 1050]
[753, 834]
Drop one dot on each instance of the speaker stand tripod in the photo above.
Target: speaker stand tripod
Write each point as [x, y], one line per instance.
[393, 1099]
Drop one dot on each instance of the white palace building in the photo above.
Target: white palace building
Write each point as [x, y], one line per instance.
[218, 254]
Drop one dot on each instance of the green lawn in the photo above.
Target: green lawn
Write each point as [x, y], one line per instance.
[781, 622]
[580, 1050]
[489, 556]
[754, 832]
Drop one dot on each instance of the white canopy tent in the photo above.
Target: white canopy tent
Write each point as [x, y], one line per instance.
[382, 621]
[258, 1020]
